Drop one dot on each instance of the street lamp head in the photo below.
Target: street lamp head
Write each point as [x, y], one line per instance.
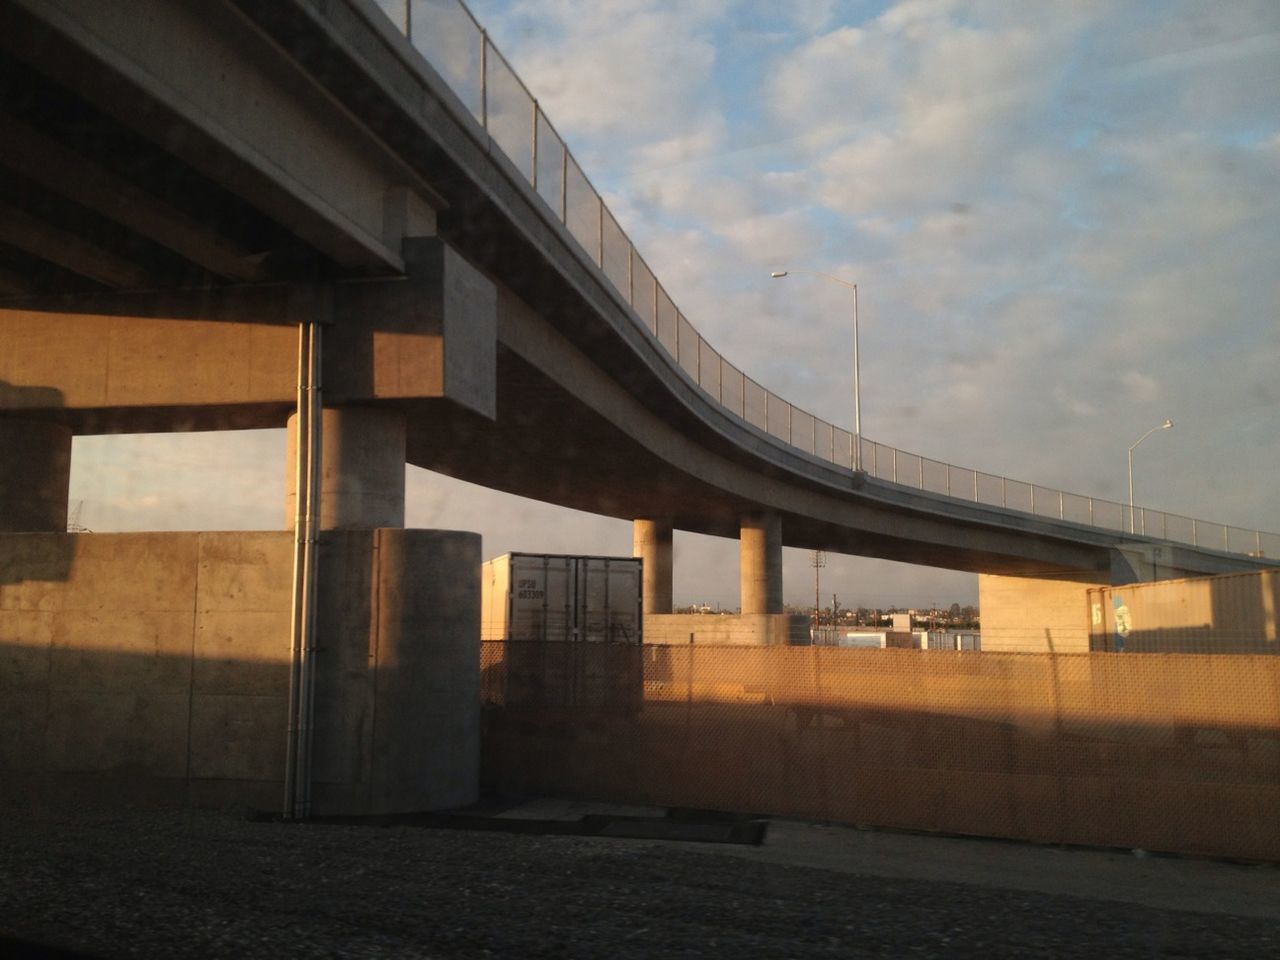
[778, 274]
[1166, 425]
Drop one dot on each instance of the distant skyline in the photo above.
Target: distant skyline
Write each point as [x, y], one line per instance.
[1063, 223]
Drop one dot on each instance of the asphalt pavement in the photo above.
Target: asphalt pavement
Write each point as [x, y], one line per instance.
[179, 883]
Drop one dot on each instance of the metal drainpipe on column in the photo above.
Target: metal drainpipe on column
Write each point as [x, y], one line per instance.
[299, 538]
[297, 793]
[314, 450]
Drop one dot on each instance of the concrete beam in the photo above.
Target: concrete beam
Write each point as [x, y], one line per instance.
[431, 334]
[760, 559]
[226, 358]
[652, 543]
[35, 473]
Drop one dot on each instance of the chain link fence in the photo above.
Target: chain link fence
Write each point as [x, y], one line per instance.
[1161, 752]
[454, 43]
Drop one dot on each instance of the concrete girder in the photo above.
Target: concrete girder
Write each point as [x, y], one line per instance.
[206, 85]
[40, 239]
[79, 178]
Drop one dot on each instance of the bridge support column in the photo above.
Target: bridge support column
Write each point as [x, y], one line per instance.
[760, 560]
[651, 541]
[362, 454]
[35, 473]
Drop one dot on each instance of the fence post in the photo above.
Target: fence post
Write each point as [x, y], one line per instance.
[600, 231]
[484, 78]
[975, 486]
[895, 464]
[1061, 513]
[920, 460]
[564, 184]
[535, 145]
[1193, 532]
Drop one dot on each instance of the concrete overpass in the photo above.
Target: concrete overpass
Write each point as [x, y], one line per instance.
[189, 183]
[233, 164]
[227, 214]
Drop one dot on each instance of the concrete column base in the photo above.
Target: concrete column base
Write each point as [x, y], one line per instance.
[652, 542]
[362, 469]
[760, 560]
[35, 474]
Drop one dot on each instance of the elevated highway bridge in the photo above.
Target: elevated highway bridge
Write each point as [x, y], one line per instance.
[189, 182]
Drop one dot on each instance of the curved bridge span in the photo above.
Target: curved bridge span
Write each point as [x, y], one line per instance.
[265, 162]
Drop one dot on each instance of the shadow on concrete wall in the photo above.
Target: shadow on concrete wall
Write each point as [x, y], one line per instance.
[141, 726]
[158, 670]
[1127, 755]
[35, 558]
[14, 398]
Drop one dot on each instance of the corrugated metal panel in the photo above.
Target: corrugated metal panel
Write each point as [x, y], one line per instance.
[547, 621]
[1233, 613]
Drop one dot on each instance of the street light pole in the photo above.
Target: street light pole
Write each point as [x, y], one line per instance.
[1163, 426]
[856, 458]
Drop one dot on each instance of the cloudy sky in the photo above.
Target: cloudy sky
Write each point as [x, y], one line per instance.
[1064, 220]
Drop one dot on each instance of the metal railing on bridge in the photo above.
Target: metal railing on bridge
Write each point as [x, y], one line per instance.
[459, 49]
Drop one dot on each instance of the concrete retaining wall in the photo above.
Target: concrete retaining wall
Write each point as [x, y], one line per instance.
[153, 668]
[746, 629]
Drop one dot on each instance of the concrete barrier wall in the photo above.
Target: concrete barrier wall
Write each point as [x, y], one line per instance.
[1174, 753]
[747, 629]
[153, 668]
[1233, 613]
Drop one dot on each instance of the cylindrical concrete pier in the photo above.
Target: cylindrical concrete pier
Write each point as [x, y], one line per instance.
[651, 541]
[35, 473]
[362, 454]
[760, 559]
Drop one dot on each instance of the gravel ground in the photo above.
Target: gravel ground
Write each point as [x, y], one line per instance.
[201, 884]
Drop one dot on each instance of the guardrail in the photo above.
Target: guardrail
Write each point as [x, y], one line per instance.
[459, 49]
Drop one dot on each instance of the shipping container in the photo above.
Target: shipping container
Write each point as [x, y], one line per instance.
[535, 596]
[1232, 613]
[562, 632]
